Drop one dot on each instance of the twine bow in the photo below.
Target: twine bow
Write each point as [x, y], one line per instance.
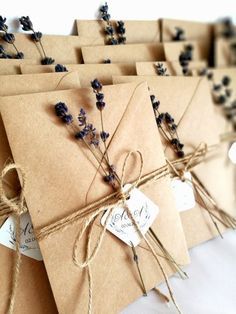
[15, 207]
[88, 222]
[200, 190]
[92, 211]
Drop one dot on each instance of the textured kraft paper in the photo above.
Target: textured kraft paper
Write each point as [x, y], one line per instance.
[193, 30]
[88, 72]
[34, 292]
[12, 66]
[92, 32]
[69, 175]
[223, 54]
[63, 49]
[123, 53]
[188, 100]
[201, 50]
[173, 68]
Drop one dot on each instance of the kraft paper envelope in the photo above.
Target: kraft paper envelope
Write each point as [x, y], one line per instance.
[188, 100]
[123, 53]
[92, 32]
[201, 50]
[192, 30]
[173, 68]
[224, 55]
[34, 292]
[70, 178]
[87, 72]
[12, 66]
[63, 49]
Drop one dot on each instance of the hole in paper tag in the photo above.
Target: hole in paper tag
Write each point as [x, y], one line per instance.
[183, 193]
[144, 212]
[232, 153]
[28, 245]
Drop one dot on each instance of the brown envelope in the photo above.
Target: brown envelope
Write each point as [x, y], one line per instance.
[12, 66]
[173, 50]
[69, 173]
[223, 53]
[63, 49]
[173, 68]
[87, 72]
[91, 32]
[193, 30]
[123, 53]
[189, 101]
[34, 292]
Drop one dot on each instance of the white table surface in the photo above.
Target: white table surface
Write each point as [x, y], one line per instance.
[211, 287]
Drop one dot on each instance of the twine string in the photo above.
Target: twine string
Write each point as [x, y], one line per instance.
[15, 207]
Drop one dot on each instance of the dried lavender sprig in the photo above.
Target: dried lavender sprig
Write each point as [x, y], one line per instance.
[4, 54]
[228, 28]
[167, 120]
[179, 34]
[184, 58]
[109, 30]
[60, 68]
[27, 25]
[97, 88]
[161, 71]
[120, 29]
[62, 112]
[222, 96]
[9, 37]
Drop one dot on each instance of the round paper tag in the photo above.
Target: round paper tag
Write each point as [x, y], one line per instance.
[232, 153]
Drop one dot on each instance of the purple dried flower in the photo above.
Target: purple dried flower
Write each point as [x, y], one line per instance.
[100, 105]
[3, 26]
[26, 23]
[60, 68]
[82, 117]
[179, 34]
[47, 61]
[67, 118]
[36, 36]
[104, 136]
[100, 96]
[96, 85]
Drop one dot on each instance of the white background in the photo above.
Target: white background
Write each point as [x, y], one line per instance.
[57, 17]
[211, 288]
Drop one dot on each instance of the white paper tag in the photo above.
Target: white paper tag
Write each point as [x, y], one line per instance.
[144, 212]
[232, 153]
[29, 245]
[183, 193]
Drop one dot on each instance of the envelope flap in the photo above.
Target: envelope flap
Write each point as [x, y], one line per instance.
[49, 133]
[12, 66]
[172, 67]
[92, 32]
[174, 101]
[32, 83]
[87, 72]
[23, 84]
[150, 68]
[123, 53]
[174, 49]
[64, 49]
[192, 29]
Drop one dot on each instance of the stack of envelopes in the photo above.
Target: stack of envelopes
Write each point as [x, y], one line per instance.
[123, 159]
